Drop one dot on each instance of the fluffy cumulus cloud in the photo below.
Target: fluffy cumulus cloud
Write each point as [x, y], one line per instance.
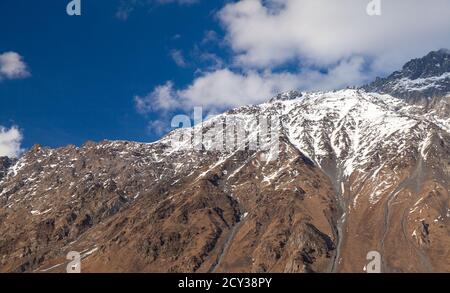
[222, 89]
[279, 45]
[10, 140]
[161, 98]
[217, 89]
[272, 32]
[12, 66]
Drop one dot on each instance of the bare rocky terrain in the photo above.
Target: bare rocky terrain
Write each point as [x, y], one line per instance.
[358, 170]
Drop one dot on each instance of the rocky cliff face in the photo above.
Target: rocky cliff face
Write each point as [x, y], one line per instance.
[421, 78]
[354, 172]
[133, 207]
[5, 163]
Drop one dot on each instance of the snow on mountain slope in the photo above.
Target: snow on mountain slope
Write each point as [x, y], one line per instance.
[346, 172]
[421, 84]
[374, 148]
[342, 132]
[374, 161]
[349, 127]
[424, 77]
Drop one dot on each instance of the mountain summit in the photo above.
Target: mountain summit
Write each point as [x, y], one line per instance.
[424, 77]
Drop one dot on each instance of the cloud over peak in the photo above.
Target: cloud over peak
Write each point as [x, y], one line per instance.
[280, 45]
[10, 140]
[12, 66]
[223, 88]
[272, 32]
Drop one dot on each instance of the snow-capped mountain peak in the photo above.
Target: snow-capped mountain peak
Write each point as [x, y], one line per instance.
[356, 171]
[424, 77]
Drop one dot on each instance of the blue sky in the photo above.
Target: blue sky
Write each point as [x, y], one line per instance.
[123, 68]
[85, 70]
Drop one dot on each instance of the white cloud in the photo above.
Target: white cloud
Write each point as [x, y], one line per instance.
[10, 140]
[223, 88]
[12, 66]
[178, 58]
[272, 32]
[210, 37]
[161, 98]
[211, 61]
[279, 45]
[158, 127]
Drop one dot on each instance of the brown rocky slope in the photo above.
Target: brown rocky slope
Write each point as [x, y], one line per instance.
[356, 172]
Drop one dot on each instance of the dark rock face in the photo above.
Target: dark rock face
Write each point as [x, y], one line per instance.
[435, 63]
[5, 163]
[419, 78]
[127, 210]
[291, 95]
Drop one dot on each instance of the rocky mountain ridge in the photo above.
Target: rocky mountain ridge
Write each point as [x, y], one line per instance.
[421, 78]
[356, 171]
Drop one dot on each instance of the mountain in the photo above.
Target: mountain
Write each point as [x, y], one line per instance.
[425, 77]
[354, 171]
[5, 163]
